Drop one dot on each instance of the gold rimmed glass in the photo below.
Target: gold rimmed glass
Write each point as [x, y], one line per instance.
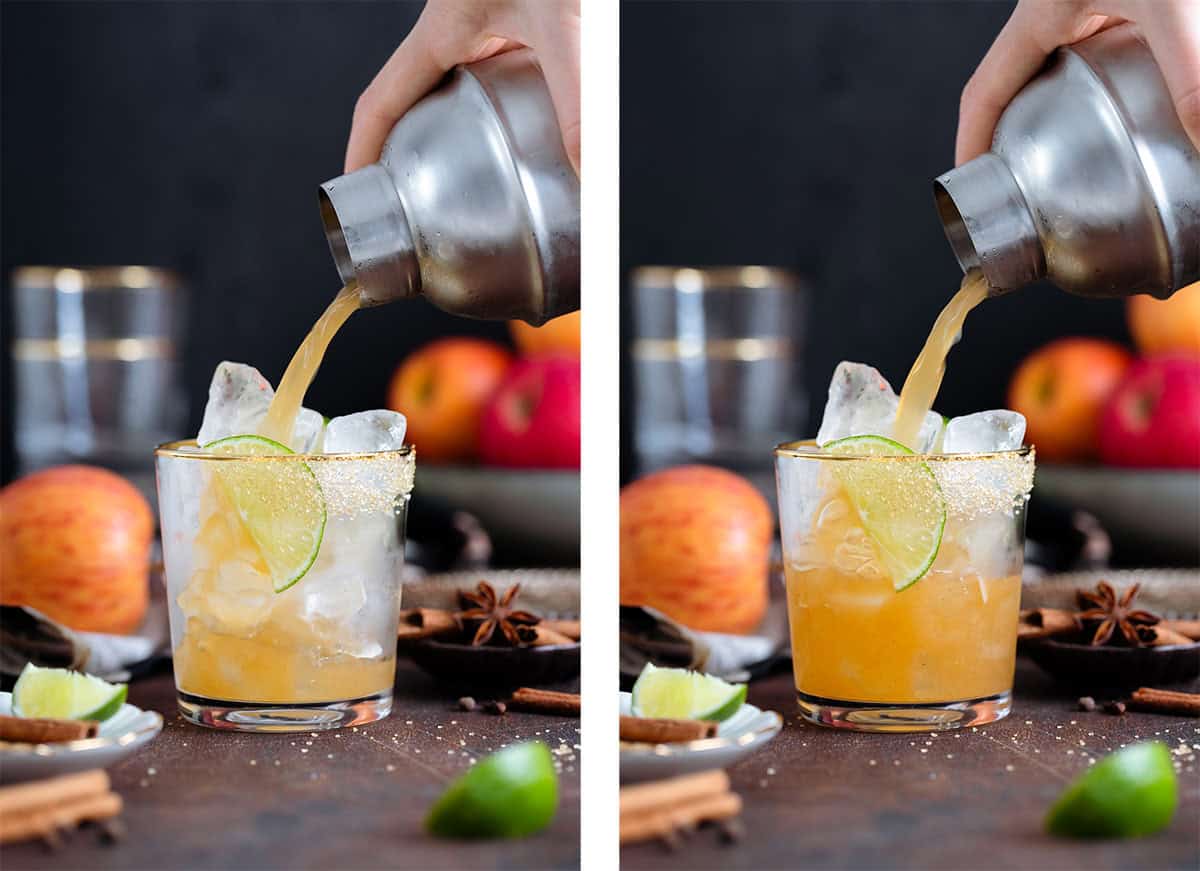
[938, 653]
[320, 653]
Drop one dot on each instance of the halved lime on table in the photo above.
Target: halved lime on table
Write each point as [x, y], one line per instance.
[280, 505]
[1127, 794]
[61, 694]
[899, 503]
[510, 794]
[680, 694]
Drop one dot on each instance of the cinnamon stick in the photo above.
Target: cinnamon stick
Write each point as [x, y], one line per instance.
[539, 635]
[570, 628]
[55, 790]
[662, 824]
[657, 730]
[44, 820]
[643, 798]
[37, 730]
[1046, 622]
[1166, 701]
[1187, 628]
[658, 810]
[418, 623]
[41, 808]
[1161, 636]
[546, 702]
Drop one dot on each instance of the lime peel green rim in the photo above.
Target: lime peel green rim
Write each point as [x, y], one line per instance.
[904, 452]
[287, 452]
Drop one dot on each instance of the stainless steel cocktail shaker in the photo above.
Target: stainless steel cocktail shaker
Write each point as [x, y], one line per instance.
[1091, 182]
[473, 203]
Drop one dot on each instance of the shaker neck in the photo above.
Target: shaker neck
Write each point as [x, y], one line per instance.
[988, 223]
[369, 236]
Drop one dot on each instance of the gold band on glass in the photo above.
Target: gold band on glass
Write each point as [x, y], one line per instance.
[689, 279]
[71, 279]
[745, 350]
[129, 350]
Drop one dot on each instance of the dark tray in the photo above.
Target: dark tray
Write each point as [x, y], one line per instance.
[1083, 667]
[495, 667]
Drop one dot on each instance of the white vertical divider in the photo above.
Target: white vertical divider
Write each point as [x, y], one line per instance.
[600, 449]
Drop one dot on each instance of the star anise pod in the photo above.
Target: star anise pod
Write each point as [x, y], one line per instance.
[493, 612]
[1110, 612]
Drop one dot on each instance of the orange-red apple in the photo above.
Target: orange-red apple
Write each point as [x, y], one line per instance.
[695, 544]
[1061, 389]
[558, 335]
[75, 545]
[1162, 325]
[442, 390]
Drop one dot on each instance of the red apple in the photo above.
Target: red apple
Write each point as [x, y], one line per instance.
[1153, 417]
[533, 419]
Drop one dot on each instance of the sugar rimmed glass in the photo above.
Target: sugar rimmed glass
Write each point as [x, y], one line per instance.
[319, 654]
[939, 654]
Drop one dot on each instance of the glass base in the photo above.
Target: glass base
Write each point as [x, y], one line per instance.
[898, 717]
[281, 717]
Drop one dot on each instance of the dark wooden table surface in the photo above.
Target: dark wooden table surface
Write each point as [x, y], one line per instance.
[819, 798]
[345, 799]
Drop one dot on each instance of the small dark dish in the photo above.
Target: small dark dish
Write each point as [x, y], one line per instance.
[1084, 667]
[1173, 594]
[468, 667]
[497, 667]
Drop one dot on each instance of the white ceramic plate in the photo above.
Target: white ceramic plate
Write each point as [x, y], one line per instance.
[739, 736]
[120, 735]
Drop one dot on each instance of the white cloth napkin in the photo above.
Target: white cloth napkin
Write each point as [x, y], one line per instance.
[27, 635]
[650, 636]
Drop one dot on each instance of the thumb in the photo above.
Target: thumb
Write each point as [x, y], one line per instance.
[1174, 41]
[557, 50]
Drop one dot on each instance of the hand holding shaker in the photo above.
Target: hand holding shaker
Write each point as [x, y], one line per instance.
[473, 203]
[1091, 182]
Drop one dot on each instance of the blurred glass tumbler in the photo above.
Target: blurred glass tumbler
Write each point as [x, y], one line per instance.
[96, 367]
[714, 357]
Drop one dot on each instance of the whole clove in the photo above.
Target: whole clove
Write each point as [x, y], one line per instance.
[731, 831]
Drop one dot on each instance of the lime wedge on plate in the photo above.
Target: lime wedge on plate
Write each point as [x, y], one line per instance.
[510, 794]
[899, 503]
[1127, 794]
[65, 695]
[680, 694]
[280, 505]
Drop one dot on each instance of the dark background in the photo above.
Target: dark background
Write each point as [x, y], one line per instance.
[193, 136]
[806, 135]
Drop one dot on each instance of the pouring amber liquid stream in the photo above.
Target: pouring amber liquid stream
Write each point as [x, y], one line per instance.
[283, 660]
